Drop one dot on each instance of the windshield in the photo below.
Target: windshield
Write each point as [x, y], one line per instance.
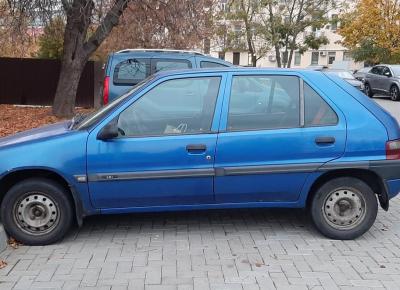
[396, 70]
[95, 116]
[344, 75]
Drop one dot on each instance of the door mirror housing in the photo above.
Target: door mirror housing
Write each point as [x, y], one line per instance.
[109, 131]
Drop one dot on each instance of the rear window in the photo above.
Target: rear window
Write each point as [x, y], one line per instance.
[131, 71]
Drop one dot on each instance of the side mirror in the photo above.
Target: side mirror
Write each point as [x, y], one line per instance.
[109, 131]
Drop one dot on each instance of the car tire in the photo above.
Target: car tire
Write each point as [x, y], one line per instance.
[394, 93]
[368, 90]
[344, 208]
[37, 211]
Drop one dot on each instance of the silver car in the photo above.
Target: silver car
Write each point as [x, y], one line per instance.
[383, 79]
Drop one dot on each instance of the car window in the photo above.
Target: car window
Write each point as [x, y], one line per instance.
[170, 64]
[264, 102]
[210, 64]
[377, 70]
[386, 71]
[174, 107]
[131, 71]
[316, 111]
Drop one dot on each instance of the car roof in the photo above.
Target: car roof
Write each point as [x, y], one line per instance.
[233, 70]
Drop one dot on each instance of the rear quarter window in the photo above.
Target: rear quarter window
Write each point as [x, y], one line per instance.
[317, 112]
[211, 64]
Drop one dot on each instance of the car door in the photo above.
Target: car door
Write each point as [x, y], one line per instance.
[165, 149]
[375, 78]
[386, 79]
[275, 130]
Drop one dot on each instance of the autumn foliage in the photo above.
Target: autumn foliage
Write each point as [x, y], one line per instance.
[372, 31]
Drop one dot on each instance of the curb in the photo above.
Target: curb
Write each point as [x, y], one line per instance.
[3, 238]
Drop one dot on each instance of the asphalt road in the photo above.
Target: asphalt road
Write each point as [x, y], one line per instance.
[389, 105]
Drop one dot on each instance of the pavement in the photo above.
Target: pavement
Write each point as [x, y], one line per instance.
[219, 249]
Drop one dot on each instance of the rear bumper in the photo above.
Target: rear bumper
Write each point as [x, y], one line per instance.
[389, 171]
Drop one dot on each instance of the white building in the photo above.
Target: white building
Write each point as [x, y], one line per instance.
[330, 55]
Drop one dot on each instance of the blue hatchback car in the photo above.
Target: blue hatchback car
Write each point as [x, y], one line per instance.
[208, 139]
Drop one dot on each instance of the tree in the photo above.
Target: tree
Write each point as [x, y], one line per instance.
[239, 28]
[372, 31]
[286, 21]
[174, 24]
[17, 39]
[88, 23]
[51, 42]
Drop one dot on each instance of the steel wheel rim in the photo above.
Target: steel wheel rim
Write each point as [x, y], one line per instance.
[36, 213]
[344, 209]
[394, 93]
[367, 89]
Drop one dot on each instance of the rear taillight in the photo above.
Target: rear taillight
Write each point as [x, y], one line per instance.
[106, 90]
[393, 150]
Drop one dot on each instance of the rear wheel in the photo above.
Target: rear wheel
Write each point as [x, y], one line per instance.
[344, 208]
[394, 93]
[368, 90]
[36, 211]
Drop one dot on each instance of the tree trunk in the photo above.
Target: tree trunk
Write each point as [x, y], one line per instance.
[64, 101]
[77, 49]
[278, 56]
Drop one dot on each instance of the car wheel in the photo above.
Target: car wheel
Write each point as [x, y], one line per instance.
[36, 211]
[344, 208]
[368, 90]
[394, 93]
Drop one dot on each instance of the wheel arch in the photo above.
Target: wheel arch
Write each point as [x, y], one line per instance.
[11, 178]
[369, 177]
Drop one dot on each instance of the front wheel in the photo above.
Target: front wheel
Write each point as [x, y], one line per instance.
[394, 93]
[368, 90]
[344, 208]
[36, 211]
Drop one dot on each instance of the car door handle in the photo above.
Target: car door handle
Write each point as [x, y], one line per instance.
[325, 140]
[196, 148]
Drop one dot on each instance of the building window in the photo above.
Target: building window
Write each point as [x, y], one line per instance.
[347, 56]
[297, 58]
[314, 58]
[331, 57]
[236, 58]
[221, 55]
[224, 6]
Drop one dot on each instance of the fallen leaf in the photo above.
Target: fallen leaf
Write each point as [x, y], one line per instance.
[13, 243]
[14, 119]
[3, 264]
[258, 264]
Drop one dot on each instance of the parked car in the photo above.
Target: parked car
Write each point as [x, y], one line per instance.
[343, 74]
[347, 76]
[383, 79]
[126, 68]
[208, 139]
[361, 73]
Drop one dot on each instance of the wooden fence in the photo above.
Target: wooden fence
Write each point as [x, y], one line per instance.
[29, 81]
